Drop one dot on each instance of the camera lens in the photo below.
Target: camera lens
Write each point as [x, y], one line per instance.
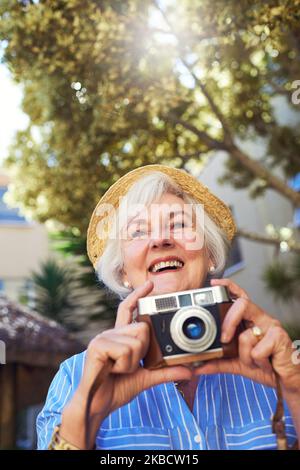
[193, 328]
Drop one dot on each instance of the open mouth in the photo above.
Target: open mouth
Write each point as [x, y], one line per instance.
[166, 266]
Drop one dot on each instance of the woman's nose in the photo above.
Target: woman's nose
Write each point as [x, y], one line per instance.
[162, 242]
[161, 239]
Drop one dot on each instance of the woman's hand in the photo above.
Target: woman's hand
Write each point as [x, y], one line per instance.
[112, 374]
[125, 346]
[254, 355]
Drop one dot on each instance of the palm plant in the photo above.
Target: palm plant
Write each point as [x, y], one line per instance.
[52, 286]
[283, 279]
[66, 289]
[53, 289]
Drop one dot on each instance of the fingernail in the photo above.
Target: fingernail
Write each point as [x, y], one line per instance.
[224, 337]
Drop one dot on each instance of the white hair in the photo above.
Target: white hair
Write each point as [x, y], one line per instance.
[147, 190]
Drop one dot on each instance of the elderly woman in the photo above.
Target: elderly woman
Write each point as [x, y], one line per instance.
[105, 399]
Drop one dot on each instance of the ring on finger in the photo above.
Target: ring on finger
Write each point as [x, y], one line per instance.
[257, 332]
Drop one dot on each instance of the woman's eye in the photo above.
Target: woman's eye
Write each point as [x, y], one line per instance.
[178, 225]
[138, 233]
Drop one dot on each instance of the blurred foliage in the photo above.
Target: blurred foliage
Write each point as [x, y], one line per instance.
[71, 246]
[62, 294]
[112, 85]
[293, 330]
[283, 278]
[52, 285]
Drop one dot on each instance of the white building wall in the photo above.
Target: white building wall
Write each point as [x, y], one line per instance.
[22, 248]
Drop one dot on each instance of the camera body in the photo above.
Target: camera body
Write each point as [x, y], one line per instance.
[185, 327]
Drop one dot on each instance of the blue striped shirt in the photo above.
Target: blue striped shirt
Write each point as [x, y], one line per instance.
[230, 412]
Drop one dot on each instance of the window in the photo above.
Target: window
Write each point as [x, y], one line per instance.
[235, 260]
[30, 294]
[294, 183]
[296, 220]
[1, 285]
[7, 214]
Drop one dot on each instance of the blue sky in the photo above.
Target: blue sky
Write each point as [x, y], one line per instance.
[11, 116]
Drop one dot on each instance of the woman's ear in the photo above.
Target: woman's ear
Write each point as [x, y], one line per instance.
[127, 285]
[209, 275]
[210, 266]
[125, 281]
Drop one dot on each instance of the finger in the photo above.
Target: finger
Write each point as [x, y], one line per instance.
[164, 375]
[234, 289]
[243, 309]
[275, 341]
[121, 354]
[234, 366]
[136, 330]
[217, 366]
[264, 364]
[138, 350]
[127, 306]
[247, 341]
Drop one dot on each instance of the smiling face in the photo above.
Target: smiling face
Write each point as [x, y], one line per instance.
[159, 244]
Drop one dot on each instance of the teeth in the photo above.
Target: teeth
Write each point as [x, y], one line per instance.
[165, 264]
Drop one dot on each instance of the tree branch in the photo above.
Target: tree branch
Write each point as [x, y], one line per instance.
[203, 136]
[293, 245]
[252, 165]
[215, 109]
[188, 156]
[278, 90]
[261, 172]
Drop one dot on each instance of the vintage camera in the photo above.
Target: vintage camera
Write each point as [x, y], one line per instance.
[185, 327]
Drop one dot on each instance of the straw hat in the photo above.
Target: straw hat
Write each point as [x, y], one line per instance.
[214, 207]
